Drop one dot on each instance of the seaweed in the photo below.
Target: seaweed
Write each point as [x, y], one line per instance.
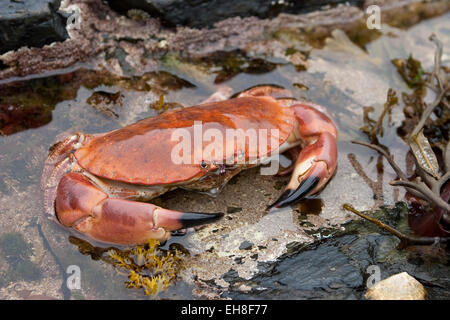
[374, 128]
[150, 268]
[225, 65]
[428, 190]
[410, 70]
[105, 101]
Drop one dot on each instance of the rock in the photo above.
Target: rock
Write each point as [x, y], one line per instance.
[338, 267]
[246, 245]
[30, 23]
[204, 13]
[397, 287]
[304, 274]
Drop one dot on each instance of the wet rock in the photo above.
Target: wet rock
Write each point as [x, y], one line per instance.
[30, 23]
[207, 12]
[397, 287]
[315, 271]
[338, 267]
[134, 45]
[17, 251]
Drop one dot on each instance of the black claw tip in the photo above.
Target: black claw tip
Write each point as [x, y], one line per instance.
[193, 219]
[290, 196]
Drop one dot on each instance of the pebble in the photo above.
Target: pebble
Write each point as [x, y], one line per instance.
[246, 245]
[401, 286]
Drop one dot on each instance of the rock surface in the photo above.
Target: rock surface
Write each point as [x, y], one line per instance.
[205, 13]
[310, 272]
[397, 287]
[30, 23]
[339, 265]
[141, 40]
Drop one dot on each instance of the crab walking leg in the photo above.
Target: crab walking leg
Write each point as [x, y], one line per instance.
[265, 90]
[86, 208]
[317, 161]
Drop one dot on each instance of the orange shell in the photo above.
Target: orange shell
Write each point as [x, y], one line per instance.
[141, 153]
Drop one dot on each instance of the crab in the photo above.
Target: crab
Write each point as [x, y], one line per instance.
[100, 184]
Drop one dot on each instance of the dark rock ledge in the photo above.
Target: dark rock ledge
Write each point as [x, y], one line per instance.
[32, 23]
[144, 39]
[205, 13]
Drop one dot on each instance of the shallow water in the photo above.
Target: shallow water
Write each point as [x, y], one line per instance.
[35, 251]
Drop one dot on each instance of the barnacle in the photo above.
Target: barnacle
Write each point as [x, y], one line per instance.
[150, 268]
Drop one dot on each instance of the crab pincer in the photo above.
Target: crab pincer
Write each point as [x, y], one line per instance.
[316, 162]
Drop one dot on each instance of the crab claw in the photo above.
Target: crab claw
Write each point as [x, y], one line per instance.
[83, 206]
[129, 222]
[316, 162]
[292, 196]
[172, 220]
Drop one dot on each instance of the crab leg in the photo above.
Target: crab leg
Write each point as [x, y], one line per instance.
[317, 161]
[82, 205]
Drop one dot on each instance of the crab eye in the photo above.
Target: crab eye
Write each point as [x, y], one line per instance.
[203, 165]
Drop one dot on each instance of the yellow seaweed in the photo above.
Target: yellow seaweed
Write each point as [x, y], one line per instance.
[150, 268]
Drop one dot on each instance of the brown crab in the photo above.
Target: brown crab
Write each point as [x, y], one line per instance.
[96, 183]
